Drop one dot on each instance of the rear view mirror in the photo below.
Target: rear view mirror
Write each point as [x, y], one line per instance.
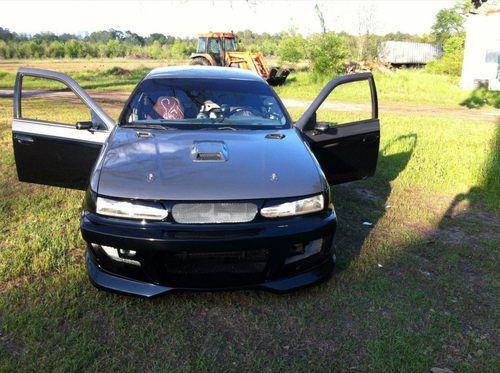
[83, 125]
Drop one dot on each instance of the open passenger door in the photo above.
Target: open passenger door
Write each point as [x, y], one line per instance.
[57, 133]
[347, 151]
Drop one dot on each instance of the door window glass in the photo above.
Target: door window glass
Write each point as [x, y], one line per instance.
[50, 101]
[202, 45]
[347, 103]
[213, 46]
[230, 44]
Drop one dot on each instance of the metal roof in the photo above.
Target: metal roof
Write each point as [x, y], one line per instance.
[229, 35]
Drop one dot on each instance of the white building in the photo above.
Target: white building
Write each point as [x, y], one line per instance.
[482, 50]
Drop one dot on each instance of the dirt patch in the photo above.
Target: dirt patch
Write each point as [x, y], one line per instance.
[403, 109]
[119, 98]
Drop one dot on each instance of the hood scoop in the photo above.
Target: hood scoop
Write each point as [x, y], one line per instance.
[209, 151]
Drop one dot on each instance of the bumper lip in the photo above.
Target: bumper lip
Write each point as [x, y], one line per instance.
[102, 279]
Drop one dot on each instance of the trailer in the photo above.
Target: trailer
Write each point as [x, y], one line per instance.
[399, 53]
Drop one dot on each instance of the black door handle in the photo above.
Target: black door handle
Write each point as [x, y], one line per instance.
[25, 140]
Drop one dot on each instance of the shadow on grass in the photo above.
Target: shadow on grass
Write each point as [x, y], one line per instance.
[429, 305]
[355, 223]
[482, 97]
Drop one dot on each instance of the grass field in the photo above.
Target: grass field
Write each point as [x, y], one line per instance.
[418, 289]
[400, 86]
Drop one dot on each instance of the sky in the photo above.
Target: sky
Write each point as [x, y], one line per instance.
[189, 17]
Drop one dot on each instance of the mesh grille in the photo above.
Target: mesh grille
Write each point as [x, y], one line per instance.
[209, 213]
[244, 261]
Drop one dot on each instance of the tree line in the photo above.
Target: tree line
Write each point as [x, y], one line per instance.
[290, 46]
[327, 51]
[100, 44]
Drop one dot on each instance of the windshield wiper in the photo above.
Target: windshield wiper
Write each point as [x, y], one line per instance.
[148, 126]
[220, 128]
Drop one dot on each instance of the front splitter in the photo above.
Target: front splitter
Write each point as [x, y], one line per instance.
[114, 283]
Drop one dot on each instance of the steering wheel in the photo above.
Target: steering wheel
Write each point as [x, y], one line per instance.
[248, 109]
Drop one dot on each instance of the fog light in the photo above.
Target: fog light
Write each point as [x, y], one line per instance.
[297, 249]
[312, 248]
[113, 254]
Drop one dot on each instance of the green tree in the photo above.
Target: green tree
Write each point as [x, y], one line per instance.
[182, 48]
[56, 49]
[291, 48]
[452, 59]
[73, 49]
[155, 50]
[115, 48]
[5, 34]
[35, 49]
[449, 22]
[328, 55]
[4, 50]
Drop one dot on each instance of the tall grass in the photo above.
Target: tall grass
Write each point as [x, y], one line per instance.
[399, 86]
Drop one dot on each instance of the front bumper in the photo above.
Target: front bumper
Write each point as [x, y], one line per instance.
[208, 257]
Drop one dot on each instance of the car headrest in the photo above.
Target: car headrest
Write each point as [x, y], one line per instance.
[169, 107]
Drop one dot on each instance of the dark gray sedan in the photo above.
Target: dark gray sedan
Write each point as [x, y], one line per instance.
[204, 182]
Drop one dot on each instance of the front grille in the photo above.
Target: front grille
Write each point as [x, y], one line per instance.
[210, 213]
[241, 261]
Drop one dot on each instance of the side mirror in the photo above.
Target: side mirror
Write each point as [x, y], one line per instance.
[83, 125]
[322, 126]
[311, 123]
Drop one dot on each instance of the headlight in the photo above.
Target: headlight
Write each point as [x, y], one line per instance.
[300, 207]
[131, 210]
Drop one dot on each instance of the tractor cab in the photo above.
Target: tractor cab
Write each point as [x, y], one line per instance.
[220, 49]
[216, 44]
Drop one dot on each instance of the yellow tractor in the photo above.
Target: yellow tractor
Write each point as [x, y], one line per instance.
[219, 49]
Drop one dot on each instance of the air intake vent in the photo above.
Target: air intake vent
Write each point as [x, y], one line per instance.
[214, 213]
[209, 151]
[209, 156]
[275, 136]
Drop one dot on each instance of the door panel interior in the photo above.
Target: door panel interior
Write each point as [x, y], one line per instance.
[346, 154]
[50, 152]
[53, 161]
[348, 151]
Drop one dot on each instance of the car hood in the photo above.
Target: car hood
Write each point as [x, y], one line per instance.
[207, 165]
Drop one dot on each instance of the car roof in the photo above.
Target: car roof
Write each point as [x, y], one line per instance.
[203, 72]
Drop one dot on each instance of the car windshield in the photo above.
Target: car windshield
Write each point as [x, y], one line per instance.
[201, 103]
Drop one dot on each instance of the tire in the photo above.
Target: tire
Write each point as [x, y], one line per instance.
[202, 61]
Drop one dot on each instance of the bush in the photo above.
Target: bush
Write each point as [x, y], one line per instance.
[328, 53]
[292, 48]
[56, 49]
[182, 49]
[4, 50]
[114, 48]
[73, 49]
[453, 56]
[155, 50]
